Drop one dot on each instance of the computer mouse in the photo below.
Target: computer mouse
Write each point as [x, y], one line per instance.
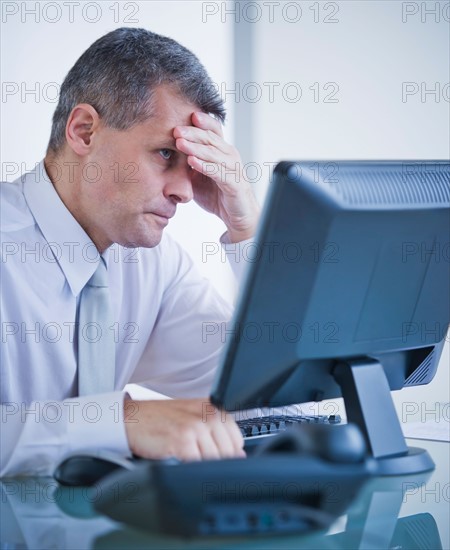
[87, 468]
[341, 444]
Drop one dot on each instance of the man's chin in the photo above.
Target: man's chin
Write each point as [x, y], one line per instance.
[144, 241]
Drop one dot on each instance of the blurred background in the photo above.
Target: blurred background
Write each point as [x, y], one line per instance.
[301, 80]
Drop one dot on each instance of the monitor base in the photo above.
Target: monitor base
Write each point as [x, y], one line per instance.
[415, 461]
[369, 405]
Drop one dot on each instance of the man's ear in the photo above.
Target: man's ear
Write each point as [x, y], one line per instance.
[83, 121]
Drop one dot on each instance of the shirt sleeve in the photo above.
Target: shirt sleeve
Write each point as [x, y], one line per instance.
[36, 437]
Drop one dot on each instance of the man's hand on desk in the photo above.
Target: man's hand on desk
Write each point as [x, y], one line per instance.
[188, 429]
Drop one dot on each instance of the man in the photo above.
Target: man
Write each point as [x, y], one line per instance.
[136, 132]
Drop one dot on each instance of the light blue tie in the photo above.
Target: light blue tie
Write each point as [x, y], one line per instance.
[96, 346]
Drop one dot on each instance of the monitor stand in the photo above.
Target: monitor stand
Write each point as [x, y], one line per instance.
[368, 403]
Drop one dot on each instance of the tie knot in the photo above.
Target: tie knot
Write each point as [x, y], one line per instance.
[100, 276]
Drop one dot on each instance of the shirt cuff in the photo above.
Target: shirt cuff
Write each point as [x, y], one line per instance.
[239, 255]
[97, 421]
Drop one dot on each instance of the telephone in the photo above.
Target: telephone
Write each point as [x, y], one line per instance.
[298, 481]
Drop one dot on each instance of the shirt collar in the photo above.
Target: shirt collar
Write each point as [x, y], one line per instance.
[72, 248]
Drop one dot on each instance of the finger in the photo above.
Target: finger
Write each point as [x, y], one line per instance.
[226, 178]
[235, 436]
[223, 439]
[210, 170]
[186, 447]
[206, 137]
[208, 153]
[190, 451]
[207, 122]
[209, 450]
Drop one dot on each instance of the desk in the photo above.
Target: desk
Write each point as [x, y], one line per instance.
[389, 513]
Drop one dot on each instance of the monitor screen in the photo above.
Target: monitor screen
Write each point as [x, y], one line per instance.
[347, 291]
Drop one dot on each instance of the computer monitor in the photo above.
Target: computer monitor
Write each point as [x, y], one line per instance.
[347, 294]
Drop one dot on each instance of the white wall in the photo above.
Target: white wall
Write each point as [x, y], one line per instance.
[366, 56]
[40, 43]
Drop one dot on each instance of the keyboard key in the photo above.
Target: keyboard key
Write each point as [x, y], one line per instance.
[269, 425]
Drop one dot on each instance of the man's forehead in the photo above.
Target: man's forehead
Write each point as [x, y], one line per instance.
[170, 109]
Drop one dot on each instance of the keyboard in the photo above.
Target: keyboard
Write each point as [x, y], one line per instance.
[254, 429]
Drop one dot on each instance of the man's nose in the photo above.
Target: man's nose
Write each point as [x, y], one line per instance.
[179, 188]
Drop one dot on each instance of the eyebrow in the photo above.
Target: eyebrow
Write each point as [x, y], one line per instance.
[165, 144]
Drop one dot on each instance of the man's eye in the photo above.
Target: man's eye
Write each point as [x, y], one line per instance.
[166, 154]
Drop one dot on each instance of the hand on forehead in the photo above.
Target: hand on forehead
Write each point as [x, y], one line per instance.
[201, 121]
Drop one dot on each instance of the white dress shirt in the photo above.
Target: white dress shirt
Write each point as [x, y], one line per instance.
[161, 305]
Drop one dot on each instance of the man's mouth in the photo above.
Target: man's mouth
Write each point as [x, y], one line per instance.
[164, 216]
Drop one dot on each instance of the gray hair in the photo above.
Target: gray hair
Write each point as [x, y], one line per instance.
[118, 73]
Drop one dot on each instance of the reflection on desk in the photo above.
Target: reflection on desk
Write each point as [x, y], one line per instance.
[397, 512]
